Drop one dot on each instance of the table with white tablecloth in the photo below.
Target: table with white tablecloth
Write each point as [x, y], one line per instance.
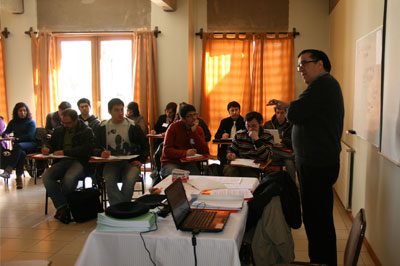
[167, 245]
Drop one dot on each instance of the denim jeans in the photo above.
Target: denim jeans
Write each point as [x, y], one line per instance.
[192, 167]
[69, 171]
[116, 172]
[18, 154]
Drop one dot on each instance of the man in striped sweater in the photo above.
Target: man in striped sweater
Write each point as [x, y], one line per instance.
[250, 143]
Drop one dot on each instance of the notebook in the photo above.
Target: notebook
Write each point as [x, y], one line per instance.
[187, 219]
[275, 135]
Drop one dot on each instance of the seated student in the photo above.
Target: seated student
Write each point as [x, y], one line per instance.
[284, 127]
[202, 124]
[251, 143]
[280, 122]
[183, 138]
[53, 120]
[133, 113]
[228, 128]
[120, 136]
[23, 128]
[3, 144]
[90, 120]
[75, 140]
[165, 120]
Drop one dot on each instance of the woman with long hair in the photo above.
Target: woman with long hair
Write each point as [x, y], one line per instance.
[23, 129]
[133, 113]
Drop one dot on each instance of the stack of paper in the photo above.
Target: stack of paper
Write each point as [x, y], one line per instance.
[141, 223]
[245, 163]
[226, 202]
[241, 192]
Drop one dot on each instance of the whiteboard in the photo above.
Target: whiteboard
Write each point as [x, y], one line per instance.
[390, 142]
[367, 95]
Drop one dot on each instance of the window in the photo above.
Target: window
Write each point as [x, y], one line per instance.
[95, 67]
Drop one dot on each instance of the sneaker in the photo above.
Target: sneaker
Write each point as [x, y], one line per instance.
[20, 184]
[63, 214]
[5, 175]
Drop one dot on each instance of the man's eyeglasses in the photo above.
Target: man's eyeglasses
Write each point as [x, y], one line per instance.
[303, 63]
[191, 115]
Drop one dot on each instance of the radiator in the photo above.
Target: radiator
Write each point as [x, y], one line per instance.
[344, 183]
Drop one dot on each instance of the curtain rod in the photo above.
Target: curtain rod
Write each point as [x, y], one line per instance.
[156, 31]
[294, 32]
[5, 32]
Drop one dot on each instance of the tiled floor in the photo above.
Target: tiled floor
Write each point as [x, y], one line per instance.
[27, 234]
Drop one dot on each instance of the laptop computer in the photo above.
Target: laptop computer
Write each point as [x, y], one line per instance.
[275, 135]
[187, 219]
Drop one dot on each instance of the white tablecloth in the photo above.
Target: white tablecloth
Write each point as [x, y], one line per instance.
[167, 245]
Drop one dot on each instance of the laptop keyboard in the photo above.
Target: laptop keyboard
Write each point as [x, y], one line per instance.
[202, 219]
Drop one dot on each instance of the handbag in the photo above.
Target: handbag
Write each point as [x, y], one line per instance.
[85, 204]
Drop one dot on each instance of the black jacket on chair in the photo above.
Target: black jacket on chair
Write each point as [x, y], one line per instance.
[276, 184]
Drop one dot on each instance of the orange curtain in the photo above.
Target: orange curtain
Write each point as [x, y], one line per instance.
[272, 73]
[44, 75]
[145, 75]
[3, 91]
[248, 69]
[225, 72]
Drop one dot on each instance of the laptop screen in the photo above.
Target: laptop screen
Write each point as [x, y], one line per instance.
[177, 201]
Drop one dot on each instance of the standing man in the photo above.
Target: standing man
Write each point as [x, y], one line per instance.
[184, 138]
[90, 120]
[228, 128]
[75, 140]
[317, 118]
[120, 136]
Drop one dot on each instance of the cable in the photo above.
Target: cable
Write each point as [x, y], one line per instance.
[194, 243]
[144, 243]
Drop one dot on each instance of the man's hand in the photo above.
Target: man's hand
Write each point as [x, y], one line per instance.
[191, 152]
[230, 156]
[253, 135]
[105, 154]
[278, 103]
[136, 163]
[194, 127]
[225, 136]
[45, 151]
[61, 152]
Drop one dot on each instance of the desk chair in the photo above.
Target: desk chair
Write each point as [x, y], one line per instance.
[36, 167]
[353, 244]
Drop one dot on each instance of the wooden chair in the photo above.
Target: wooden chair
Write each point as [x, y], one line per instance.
[353, 244]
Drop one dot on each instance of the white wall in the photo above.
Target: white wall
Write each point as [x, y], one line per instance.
[376, 184]
[173, 50]
[311, 19]
[18, 57]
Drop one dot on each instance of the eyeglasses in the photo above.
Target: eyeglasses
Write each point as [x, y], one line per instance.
[302, 63]
[191, 115]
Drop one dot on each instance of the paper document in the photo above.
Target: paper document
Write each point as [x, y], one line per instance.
[275, 135]
[145, 220]
[204, 183]
[217, 202]
[49, 156]
[240, 192]
[116, 158]
[245, 163]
